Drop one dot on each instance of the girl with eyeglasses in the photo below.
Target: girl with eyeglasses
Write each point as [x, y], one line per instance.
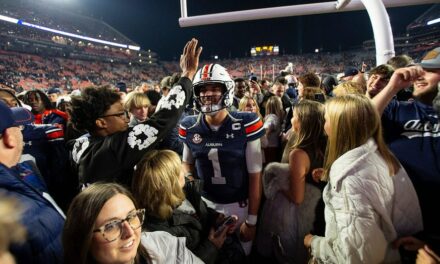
[103, 225]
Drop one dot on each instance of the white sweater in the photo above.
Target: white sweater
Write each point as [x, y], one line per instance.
[366, 209]
[165, 248]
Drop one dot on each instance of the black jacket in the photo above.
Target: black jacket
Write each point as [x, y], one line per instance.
[112, 158]
[195, 228]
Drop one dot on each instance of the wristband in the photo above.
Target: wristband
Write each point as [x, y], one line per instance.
[251, 220]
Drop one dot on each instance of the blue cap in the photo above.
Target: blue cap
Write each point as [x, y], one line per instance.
[350, 71]
[54, 90]
[12, 117]
[122, 86]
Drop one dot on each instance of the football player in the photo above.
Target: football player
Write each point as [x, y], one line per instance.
[223, 149]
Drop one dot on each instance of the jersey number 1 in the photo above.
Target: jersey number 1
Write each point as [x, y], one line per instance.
[213, 157]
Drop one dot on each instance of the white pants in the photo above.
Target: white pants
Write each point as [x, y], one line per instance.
[233, 209]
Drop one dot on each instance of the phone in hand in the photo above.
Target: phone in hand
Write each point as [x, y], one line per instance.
[227, 222]
[320, 97]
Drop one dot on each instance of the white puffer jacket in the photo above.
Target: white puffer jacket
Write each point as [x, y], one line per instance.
[366, 209]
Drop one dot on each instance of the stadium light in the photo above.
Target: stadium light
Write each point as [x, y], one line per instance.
[71, 34]
[137, 48]
[430, 22]
[9, 19]
[23, 23]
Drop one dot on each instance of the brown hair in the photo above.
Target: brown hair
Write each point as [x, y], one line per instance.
[384, 69]
[309, 93]
[311, 133]
[309, 79]
[80, 221]
[275, 106]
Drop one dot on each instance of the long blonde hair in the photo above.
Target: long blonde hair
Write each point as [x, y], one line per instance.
[353, 120]
[156, 185]
[243, 102]
[349, 87]
[11, 229]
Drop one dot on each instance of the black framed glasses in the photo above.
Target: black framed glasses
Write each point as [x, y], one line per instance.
[125, 114]
[113, 229]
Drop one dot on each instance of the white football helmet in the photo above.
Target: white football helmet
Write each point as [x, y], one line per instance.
[209, 74]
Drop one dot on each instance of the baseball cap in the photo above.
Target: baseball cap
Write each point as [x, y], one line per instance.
[350, 71]
[12, 117]
[431, 59]
[63, 99]
[165, 82]
[54, 90]
[122, 86]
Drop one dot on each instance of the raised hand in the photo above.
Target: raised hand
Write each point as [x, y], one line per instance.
[404, 77]
[189, 60]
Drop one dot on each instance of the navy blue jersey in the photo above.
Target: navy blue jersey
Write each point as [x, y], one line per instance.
[46, 144]
[220, 156]
[412, 131]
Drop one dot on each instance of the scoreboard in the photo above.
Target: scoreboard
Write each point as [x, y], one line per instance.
[269, 50]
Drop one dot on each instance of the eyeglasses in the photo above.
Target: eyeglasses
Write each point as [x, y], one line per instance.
[113, 229]
[125, 113]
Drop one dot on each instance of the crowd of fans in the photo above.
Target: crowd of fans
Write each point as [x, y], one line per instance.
[25, 72]
[312, 158]
[348, 159]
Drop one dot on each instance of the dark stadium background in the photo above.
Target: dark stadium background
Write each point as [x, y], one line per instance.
[154, 25]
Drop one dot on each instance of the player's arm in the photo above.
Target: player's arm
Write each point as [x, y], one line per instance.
[187, 161]
[255, 191]
[254, 165]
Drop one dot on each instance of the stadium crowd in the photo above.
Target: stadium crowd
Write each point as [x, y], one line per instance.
[311, 158]
[26, 72]
[218, 165]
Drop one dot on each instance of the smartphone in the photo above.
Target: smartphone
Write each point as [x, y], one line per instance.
[227, 222]
[319, 97]
[253, 78]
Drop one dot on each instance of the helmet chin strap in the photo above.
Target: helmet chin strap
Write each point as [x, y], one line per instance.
[211, 109]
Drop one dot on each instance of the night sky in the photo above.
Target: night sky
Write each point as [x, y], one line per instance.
[154, 25]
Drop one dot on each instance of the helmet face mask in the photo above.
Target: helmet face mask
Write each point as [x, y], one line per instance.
[210, 104]
[213, 74]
